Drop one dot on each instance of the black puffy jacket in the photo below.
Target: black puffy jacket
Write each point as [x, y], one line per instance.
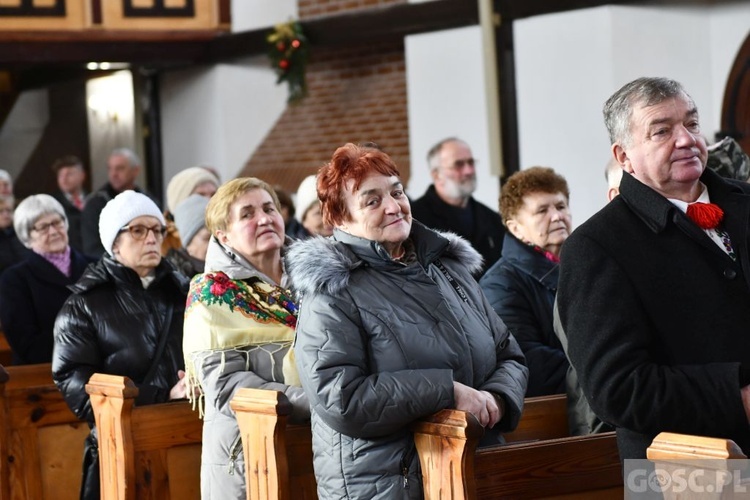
[112, 325]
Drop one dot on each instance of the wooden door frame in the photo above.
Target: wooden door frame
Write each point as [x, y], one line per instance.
[735, 110]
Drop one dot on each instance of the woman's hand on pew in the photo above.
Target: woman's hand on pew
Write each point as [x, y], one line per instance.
[179, 391]
[481, 404]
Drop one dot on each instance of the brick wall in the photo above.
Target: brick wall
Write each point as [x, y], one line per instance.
[355, 94]
[317, 8]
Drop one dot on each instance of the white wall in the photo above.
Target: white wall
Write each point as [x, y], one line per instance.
[568, 64]
[219, 115]
[446, 97]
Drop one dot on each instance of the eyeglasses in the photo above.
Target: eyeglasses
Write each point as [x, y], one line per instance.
[139, 232]
[43, 228]
[468, 161]
[459, 164]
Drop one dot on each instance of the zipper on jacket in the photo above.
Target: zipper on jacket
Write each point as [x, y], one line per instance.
[406, 459]
[234, 452]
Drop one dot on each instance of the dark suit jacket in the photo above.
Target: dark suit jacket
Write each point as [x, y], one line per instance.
[488, 231]
[73, 214]
[658, 316]
[31, 294]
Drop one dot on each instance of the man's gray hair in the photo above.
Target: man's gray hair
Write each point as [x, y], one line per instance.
[618, 110]
[30, 209]
[433, 155]
[133, 159]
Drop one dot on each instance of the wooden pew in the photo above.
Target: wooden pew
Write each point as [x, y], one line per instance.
[712, 464]
[275, 474]
[278, 457]
[41, 440]
[550, 467]
[447, 441]
[145, 452]
[544, 417]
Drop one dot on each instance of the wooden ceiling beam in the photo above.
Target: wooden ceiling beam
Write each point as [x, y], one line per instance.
[167, 49]
[384, 24]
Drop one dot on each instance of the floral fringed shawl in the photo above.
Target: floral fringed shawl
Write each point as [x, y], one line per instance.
[224, 314]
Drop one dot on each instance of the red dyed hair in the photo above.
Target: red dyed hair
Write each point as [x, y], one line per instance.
[350, 161]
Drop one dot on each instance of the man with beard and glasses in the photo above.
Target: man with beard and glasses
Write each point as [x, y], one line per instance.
[448, 205]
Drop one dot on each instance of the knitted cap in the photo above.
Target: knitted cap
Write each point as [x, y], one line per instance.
[307, 194]
[182, 185]
[120, 210]
[190, 217]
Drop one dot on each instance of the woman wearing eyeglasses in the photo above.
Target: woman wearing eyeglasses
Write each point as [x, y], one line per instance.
[34, 290]
[123, 318]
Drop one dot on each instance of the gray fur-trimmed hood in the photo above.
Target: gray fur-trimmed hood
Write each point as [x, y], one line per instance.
[321, 264]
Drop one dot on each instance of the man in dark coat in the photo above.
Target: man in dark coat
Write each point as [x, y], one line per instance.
[71, 195]
[448, 205]
[123, 167]
[656, 304]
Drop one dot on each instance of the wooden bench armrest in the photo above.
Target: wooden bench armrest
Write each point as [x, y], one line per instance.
[712, 464]
[446, 442]
[672, 446]
[112, 399]
[262, 419]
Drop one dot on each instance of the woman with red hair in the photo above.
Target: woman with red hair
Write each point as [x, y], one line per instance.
[392, 327]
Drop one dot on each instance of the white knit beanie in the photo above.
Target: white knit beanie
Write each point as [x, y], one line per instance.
[184, 183]
[120, 210]
[307, 194]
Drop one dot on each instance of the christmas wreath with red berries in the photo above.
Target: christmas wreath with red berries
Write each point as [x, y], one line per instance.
[288, 50]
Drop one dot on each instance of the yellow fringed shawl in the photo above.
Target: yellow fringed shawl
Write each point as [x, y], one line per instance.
[224, 314]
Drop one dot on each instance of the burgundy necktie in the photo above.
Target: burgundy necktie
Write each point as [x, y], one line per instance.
[705, 215]
[77, 201]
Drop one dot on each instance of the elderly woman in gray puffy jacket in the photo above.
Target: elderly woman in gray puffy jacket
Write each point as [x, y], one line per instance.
[392, 327]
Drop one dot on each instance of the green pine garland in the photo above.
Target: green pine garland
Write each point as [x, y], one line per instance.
[288, 50]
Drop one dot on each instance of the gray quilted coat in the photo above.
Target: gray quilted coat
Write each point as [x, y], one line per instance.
[379, 344]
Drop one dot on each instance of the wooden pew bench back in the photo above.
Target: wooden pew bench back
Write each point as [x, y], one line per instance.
[568, 467]
[544, 417]
[148, 452]
[278, 457]
[41, 446]
[272, 474]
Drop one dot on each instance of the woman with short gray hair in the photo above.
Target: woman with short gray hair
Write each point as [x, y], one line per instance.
[33, 291]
